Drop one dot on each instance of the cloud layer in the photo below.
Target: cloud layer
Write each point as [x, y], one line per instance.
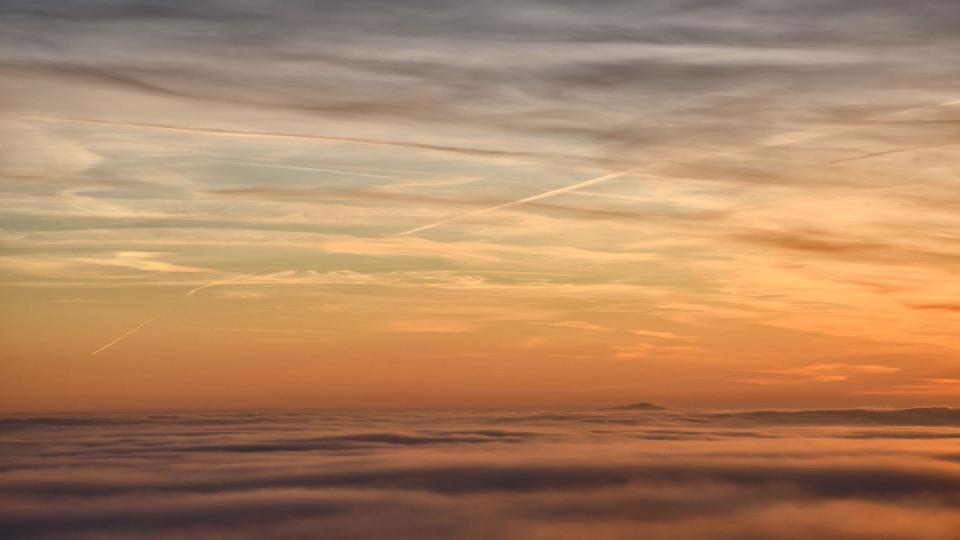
[613, 473]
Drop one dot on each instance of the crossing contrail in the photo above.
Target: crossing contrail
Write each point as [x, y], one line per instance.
[783, 139]
[479, 152]
[301, 168]
[538, 196]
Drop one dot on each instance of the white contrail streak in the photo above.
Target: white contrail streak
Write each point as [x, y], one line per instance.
[301, 168]
[214, 283]
[126, 334]
[490, 153]
[783, 139]
[195, 290]
[188, 294]
[538, 196]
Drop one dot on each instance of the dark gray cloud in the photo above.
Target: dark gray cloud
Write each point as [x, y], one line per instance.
[624, 77]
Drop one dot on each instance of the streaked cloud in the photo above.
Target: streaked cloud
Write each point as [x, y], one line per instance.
[656, 197]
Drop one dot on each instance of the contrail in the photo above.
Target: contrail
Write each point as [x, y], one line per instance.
[543, 195]
[484, 152]
[188, 294]
[191, 292]
[216, 282]
[783, 139]
[127, 333]
[300, 168]
[886, 153]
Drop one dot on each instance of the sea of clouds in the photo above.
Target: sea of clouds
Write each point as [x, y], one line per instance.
[624, 473]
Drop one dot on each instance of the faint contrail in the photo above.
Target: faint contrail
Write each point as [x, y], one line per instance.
[783, 141]
[886, 152]
[127, 334]
[300, 168]
[195, 290]
[779, 140]
[216, 282]
[485, 152]
[538, 196]
[191, 292]
[188, 294]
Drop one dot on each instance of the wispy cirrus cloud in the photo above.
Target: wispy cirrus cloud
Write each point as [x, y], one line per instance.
[724, 178]
[820, 373]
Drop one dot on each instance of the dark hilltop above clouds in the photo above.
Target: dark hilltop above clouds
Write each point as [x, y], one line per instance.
[639, 406]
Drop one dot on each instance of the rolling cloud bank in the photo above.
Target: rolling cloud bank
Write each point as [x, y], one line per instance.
[634, 472]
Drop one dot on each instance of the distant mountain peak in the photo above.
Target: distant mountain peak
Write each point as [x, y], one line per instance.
[639, 406]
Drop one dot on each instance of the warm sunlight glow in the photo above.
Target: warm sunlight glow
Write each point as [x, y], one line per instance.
[268, 266]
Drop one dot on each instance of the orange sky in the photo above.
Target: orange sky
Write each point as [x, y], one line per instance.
[347, 214]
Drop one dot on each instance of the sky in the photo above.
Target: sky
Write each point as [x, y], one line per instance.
[243, 204]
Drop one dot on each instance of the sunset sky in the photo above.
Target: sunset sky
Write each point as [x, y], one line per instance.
[381, 204]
